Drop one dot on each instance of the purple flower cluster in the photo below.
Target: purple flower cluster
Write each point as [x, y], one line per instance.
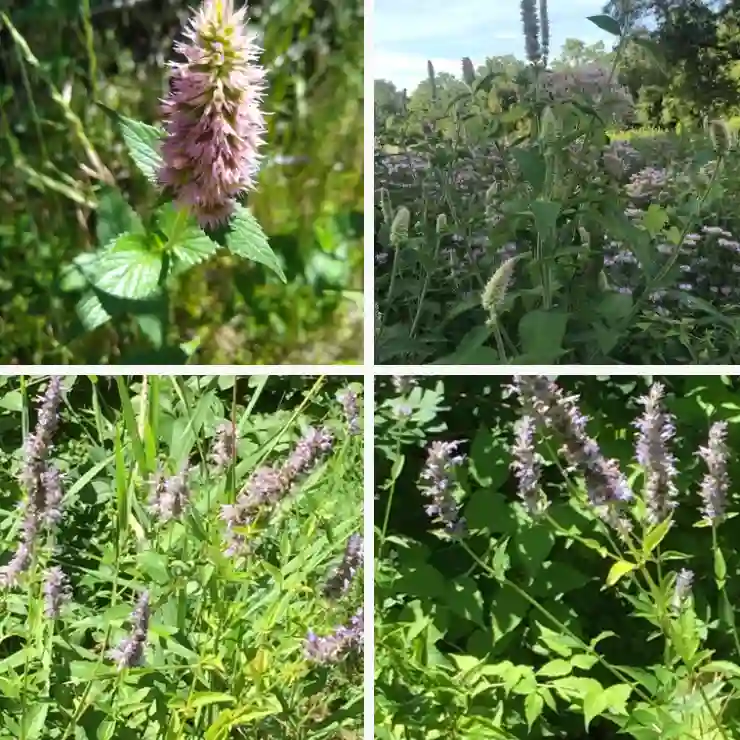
[224, 446]
[348, 399]
[437, 480]
[42, 508]
[655, 432]
[527, 466]
[553, 410]
[130, 651]
[268, 485]
[716, 482]
[343, 641]
[213, 115]
[341, 580]
[682, 588]
[57, 591]
[170, 496]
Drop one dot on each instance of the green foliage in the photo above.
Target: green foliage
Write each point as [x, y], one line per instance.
[224, 657]
[625, 252]
[76, 83]
[559, 624]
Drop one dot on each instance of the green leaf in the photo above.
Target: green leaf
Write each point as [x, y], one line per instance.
[90, 311]
[533, 706]
[616, 697]
[130, 269]
[554, 668]
[545, 214]
[142, 142]
[606, 23]
[247, 239]
[614, 307]
[720, 568]
[115, 216]
[620, 569]
[594, 704]
[541, 334]
[655, 536]
[654, 219]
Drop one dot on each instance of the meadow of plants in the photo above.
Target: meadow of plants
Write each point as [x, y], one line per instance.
[134, 224]
[182, 558]
[575, 210]
[555, 557]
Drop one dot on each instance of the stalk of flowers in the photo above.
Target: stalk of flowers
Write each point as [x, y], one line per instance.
[170, 496]
[348, 399]
[716, 482]
[213, 117]
[42, 507]
[343, 641]
[527, 467]
[437, 481]
[269, 485]
[655, 432]
[340, 581]
[130, 651]
[553, 410]
[224, 446]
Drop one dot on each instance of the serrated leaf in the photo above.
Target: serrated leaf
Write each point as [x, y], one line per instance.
[142, 142]
[541, 334]
[130, 269]
[188, 244]
[247, 239]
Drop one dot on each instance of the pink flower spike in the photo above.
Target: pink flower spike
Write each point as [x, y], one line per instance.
[213, 117]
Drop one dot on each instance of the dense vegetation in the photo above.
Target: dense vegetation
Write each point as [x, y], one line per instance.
[183, 558]
[556, 558]
[576, 209]
[69, 182]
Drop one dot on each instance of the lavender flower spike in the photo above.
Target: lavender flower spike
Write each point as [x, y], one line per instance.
[716, 482]
[655, 431]
[57, 591]
[526, 465]
[341, 579]
[130, 651]
[212, 117]
[437, 480]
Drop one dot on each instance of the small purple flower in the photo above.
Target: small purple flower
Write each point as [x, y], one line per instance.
[213, 115]
[341, 580]
[348, 399]
[130, 651]
[57, 592]
[682, 588]
[343, 641]
[51, 484]
[170, 496]
[23, 557]
[437, 480]
[224, 446]
[716, 482]
[527, 466]
[655, 432]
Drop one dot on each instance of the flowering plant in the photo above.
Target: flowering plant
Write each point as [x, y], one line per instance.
[203, 159]
[575, 567]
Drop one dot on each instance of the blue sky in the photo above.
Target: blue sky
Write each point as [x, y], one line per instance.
[408, 32]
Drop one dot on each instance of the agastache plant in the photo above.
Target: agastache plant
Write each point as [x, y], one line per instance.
[342, 642]
[204, 157]
[340, 581]
[437, 482]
